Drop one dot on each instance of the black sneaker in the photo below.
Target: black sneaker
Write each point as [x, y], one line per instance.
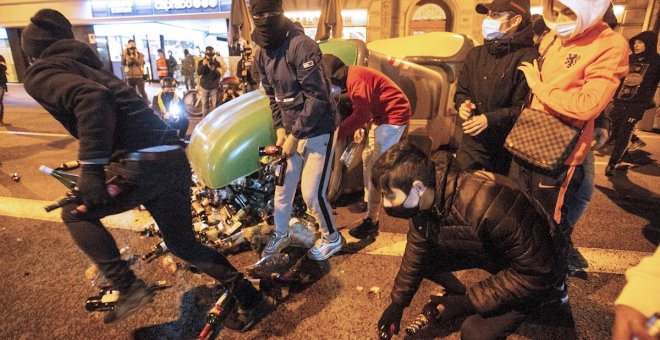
[358, 207]
[242, 320]
[576, 261]
[609, 170]
[138, 295]
[636, 145]
[365, 230]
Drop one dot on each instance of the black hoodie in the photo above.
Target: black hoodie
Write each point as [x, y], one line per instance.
[491, 81]
[96, 107]
[645, 65]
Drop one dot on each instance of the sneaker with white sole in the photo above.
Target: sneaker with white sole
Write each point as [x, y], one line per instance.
[323, 248]
[276, 245]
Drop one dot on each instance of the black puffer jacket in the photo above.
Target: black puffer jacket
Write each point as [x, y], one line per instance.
[491, 81]
[96, 107]
[488, 225]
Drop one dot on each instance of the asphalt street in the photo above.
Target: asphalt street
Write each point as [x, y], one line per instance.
[43, 288]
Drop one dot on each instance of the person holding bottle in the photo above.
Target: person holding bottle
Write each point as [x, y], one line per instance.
[464, 220]
[304, 118]
[119, 135]
[490, 90]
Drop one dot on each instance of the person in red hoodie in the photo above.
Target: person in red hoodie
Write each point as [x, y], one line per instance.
[583, 64]
[379, 103]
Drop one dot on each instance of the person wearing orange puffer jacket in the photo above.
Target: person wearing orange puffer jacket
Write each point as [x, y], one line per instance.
[581, 71]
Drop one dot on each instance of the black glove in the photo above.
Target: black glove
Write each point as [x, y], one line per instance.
[91, 186]
[390, 321]
[453, 306]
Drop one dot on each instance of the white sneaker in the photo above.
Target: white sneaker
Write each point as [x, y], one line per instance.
[323, 248]
[276, 245]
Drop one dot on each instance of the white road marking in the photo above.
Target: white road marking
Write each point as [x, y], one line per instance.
[34, 209]
[21, 133]
[611, 261]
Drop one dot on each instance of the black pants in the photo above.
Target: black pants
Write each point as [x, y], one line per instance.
[138, 84]
[163, 187]
[497, 326]
[624, 118]
[2, 106]
[181, 125]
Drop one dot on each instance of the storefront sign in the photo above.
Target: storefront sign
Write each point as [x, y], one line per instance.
[185, 6]
[123, 8]
[351, 18]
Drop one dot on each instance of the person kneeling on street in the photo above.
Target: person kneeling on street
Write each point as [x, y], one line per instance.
[169, 107]
[469, 220]
[121, 137]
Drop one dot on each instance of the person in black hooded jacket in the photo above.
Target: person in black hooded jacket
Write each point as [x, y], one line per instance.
[490, 90]
[469, 220]
[120, 137]
[635, 94]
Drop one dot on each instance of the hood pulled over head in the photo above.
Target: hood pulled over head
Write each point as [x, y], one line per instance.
[588, 12]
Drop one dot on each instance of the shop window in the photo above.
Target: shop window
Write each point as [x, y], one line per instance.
[429, 16]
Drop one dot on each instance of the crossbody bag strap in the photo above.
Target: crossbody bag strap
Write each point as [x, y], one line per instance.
[540, 59]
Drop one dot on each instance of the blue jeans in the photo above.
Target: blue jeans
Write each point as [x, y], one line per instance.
[576, 204]
[381, 138]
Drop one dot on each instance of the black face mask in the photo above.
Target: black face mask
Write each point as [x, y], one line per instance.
[270, 32]
[167, 96]
[402, 212]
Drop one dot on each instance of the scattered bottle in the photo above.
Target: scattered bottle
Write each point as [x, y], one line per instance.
[270, 150]
[217, 314]
[385, 332]
[349, 154]
[244, 235]
[69, 180]
[15, 177]
[156, 251]
[150, 230]
[235, 222]
[70, 165]
[104, 301]
[280, 171]
[429, 313]
[268, 265]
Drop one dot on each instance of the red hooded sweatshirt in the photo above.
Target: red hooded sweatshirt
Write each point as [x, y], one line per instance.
[376, 98]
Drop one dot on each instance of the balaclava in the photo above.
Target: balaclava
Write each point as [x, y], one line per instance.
[46, 27]
[269, 32]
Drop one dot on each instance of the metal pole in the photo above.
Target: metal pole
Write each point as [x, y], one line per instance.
[647, 17]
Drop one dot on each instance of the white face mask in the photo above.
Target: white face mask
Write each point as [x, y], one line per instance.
[564, 29]
[490, 29]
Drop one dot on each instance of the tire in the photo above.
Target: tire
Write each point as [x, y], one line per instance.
[192, 104]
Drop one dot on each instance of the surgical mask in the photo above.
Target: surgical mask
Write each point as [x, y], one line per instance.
[490, 29]
[564, 29]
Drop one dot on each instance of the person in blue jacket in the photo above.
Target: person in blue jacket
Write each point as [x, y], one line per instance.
[305, 119]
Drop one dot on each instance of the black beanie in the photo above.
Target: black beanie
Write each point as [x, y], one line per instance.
[47, 26]
[335, 69]
[265, 6]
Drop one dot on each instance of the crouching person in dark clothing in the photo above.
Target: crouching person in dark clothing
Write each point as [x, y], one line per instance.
[469, 220]
[169, 107]
[120, 135]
